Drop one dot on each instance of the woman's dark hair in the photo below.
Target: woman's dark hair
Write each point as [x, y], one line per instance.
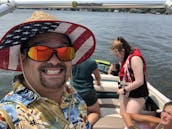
[125, 46]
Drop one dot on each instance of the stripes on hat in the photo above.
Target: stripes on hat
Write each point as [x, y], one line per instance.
[81, 37]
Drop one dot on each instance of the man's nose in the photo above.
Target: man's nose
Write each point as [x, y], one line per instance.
[54, 59]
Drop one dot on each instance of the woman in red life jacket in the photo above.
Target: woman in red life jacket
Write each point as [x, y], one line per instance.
[132, 74]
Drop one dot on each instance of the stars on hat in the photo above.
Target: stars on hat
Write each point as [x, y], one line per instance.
[23, 32]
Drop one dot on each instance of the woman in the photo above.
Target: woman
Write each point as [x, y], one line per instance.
[132, 74]
[165, 122]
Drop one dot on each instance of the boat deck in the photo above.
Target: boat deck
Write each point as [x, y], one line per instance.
[110, 117]
[109, 122]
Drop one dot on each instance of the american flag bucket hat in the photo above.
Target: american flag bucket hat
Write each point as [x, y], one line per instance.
[83, 40]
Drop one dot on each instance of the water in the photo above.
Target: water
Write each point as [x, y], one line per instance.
[151, 33]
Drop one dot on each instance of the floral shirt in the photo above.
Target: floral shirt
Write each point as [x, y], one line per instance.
[23, 109]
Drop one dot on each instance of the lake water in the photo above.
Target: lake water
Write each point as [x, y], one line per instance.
[151, 33]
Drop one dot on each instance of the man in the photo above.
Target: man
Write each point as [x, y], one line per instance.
[44, 48]
[82, 81]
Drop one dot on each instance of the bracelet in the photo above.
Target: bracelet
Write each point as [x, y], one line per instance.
[125, 91]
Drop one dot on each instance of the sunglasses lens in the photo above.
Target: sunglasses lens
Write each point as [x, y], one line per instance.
[43, 53]
[39, 53]
[66, 53]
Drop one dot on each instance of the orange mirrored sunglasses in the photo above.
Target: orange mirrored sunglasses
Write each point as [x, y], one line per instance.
[44, 53]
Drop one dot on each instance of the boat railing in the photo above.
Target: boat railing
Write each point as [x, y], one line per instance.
[109, 83]
[7, 6]
[157, 96]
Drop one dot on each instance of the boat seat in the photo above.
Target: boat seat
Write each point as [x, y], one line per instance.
[109, 122]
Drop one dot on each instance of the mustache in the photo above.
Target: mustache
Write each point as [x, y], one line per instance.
[50, 65]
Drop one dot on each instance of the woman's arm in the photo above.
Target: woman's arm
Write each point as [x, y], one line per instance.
[111, 68]
[128, 118]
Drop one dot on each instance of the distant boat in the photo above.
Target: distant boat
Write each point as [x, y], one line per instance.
[116, 11]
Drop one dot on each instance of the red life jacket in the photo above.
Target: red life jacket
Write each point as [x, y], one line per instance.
[126, 74]
[126, 71]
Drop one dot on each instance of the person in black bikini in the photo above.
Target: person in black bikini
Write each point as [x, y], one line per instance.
[133, 89]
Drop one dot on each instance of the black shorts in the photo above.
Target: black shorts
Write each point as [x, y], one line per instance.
[90, 97]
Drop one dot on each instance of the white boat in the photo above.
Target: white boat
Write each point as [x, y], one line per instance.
[111, 118]
[108, 99]
[109, 103]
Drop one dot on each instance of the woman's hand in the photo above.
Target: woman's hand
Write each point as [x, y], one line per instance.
[120, 91]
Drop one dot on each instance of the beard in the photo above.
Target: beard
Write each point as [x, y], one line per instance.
[56, 80]
[49, 84]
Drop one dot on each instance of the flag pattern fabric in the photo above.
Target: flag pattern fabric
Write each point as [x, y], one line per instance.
[82, 39]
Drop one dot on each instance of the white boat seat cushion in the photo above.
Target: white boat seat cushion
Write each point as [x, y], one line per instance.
[109, 122]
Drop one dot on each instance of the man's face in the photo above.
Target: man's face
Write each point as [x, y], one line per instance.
[53, 73]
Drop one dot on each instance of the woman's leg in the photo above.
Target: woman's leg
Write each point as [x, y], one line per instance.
[135, 105]
[123, 103]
